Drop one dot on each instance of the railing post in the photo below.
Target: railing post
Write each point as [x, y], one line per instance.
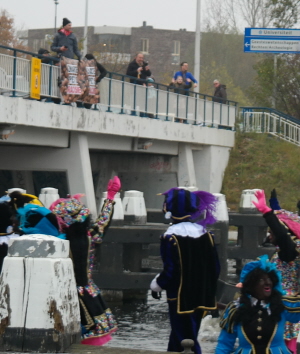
[14, 73]
[50, 80]
[109, 94]
[133, 112]
[213, 113]
[122, 98]
[157, 95]
[186, 108]
[204, 110]
[177, 104]
[196, 106]
[146, 102]
[228, 112]
[167, 112]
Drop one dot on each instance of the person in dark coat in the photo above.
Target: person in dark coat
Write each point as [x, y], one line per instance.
[102, 70]
[181, 87]
[190, 264]
[43, 55]
[139, 69]
[220, 94]
[65, 41]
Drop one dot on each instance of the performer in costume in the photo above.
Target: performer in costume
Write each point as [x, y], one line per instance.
[190, 264]
[97, 321]
[284, 228]
[31, 217]
[6, 229]
[258, 317]
[24, 214]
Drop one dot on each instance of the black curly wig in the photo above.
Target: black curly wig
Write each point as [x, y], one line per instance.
[246, 311]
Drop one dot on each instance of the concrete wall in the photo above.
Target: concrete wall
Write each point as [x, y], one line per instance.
[210, 164]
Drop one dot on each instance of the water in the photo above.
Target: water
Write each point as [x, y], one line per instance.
[146, 326]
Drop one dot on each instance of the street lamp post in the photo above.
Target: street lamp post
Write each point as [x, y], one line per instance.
[85, 33]
[197, 45]
[56, 3]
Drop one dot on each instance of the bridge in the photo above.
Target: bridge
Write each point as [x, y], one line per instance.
[82, 148]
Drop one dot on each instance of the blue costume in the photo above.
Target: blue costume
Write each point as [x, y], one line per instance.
[191, 266]
[272, 333]
[259, 324]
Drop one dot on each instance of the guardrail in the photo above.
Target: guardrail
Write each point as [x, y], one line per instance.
[118, 95]
[268, 120]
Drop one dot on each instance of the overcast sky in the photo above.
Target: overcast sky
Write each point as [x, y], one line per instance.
[164, 14]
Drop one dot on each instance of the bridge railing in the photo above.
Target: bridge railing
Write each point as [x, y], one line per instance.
[267, 120]
[118, 95]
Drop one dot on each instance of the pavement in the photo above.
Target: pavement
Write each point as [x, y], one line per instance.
[91, 349]
[94, 349]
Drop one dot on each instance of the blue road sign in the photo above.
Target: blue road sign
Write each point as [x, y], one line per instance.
[272, 40]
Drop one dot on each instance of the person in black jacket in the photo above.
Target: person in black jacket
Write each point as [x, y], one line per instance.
[220, 94]
[102, 74]
[284, 228]
[139, 69]
[65, 41]
[102, 70]
[44, 54]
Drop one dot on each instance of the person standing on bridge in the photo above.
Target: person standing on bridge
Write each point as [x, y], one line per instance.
[138, 69]
[284, 229]
[220, 94]
[187, 77]
[65, 41]
[190, 264]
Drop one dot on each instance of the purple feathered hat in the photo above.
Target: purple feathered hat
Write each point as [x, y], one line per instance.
[182, 205]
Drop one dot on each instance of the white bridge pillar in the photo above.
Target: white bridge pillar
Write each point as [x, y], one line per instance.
[74, 160]
[39, 307]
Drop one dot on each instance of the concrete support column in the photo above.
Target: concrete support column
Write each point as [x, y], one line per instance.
[186, 168]
[210, 164]
[75, 160]
[80, 176]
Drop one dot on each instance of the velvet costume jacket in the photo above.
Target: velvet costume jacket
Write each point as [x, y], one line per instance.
[231, 330]
[191, 267]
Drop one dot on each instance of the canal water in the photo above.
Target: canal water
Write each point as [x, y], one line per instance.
[146, 326]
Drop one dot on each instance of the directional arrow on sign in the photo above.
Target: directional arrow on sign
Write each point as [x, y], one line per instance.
[247, 44]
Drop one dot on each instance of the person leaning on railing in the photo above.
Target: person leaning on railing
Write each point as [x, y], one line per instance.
[220, 94]
[102, 73]
[139, 69]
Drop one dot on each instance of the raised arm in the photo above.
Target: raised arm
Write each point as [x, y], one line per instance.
[102, 222]
[281, 234]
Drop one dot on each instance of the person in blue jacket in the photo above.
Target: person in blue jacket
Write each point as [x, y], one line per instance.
[185, 74]
[191, 266]
[257, 318]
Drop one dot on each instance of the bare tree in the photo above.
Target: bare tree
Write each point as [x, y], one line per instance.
[256, 13]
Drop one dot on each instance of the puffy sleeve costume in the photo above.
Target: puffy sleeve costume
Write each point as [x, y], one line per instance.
[190, 266]
[97, 320]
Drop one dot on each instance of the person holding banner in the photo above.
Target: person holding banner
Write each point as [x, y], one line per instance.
[65, 41]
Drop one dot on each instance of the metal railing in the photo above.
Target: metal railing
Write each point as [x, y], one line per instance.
[272, 121]
[119, 95]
